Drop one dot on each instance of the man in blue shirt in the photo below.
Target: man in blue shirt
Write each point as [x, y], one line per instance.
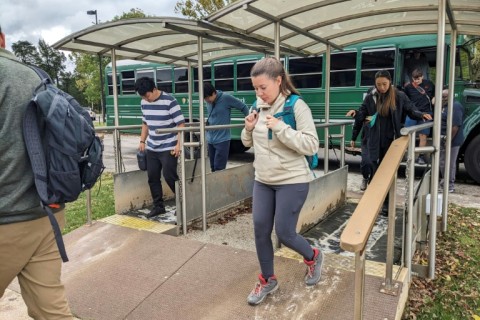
[456, 136]
[219, 106]
[160, 111]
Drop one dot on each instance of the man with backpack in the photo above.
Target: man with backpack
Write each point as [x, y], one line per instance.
[219, 107]
[160, 111]
[28, 249]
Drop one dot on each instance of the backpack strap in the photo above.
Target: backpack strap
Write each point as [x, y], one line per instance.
[254, 106]
[34, 146]
[287, 114]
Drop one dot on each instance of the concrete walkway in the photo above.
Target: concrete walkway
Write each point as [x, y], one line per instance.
[119, 272]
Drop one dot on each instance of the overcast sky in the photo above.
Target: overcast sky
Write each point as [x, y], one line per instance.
[52, 20]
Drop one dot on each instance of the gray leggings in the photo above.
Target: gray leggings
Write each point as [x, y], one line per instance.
[280, 204]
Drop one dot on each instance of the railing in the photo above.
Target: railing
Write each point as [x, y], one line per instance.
[411, 133]
[355, 235]
[193, 127]
[326, 126]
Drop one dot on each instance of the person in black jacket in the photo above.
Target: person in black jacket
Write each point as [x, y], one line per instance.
[421, 92]
[383, 109]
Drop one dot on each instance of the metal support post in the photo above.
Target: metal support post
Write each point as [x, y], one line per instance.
[409, 228]
[448, 146]
[326, 157]
[359, 284]
[387, 286]
[342, 146]
[183, 180]
[89, 207]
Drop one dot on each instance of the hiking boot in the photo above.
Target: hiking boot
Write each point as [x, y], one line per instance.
[364, 184]
[314, 268]
[262, 289]
[155, 212]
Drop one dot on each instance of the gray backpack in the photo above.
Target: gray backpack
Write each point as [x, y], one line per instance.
[64, 151]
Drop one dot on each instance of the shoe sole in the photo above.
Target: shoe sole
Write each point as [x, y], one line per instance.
[319, 278]
[261, 300]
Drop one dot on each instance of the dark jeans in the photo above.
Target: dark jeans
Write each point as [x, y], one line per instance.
[375, 165]
[278, 205]
[156, 161]
[366, 166]
[218, 153]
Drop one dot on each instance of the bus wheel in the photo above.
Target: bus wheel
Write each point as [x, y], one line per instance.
[236, 146]
[472, 159]
[187, 150]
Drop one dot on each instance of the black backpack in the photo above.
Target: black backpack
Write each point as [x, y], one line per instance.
[64, 151]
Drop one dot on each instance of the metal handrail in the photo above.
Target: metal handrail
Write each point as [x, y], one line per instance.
[358, 229]
[411, 133]
[326, 126]
[355, 235]
[194, 127]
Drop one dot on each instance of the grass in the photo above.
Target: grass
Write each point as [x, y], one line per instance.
[103, 204]
[455, 291]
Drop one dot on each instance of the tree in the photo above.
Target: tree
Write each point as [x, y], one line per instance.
[26, 52]
[51, 60]
[87, 79]
[476, 62]
[132, 14]
[87, 70]
[200, 9]
[43, 56]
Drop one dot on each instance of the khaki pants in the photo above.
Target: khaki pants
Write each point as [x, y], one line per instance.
[28, 251]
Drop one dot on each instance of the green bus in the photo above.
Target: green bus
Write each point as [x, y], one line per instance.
[351, 75]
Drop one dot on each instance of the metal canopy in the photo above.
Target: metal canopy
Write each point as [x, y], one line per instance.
[164, 40]
[309, 25]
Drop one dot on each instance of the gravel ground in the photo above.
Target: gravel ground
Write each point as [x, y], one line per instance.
[237, 230]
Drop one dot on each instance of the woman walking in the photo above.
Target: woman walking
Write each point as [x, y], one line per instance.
[384, 109]
[282, 174]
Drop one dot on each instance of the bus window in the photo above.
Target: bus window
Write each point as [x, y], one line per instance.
[223, 76]
[164, 80]
[145, 73]
[244, 83]
[110, 84]
[128, 82]
[181, 80]
[343, 69]
[207, 76]
[306, 72]
[374, 60]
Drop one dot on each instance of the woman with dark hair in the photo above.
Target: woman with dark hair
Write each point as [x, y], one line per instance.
[383, 109]
[282, 174]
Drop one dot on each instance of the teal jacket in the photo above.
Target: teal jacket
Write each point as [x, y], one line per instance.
[219, 112]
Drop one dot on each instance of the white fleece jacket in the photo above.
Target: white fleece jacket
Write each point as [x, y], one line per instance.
[281, 160]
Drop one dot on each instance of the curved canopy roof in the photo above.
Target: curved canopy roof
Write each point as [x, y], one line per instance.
[247, 27]
[162, 40]
[308, 25]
